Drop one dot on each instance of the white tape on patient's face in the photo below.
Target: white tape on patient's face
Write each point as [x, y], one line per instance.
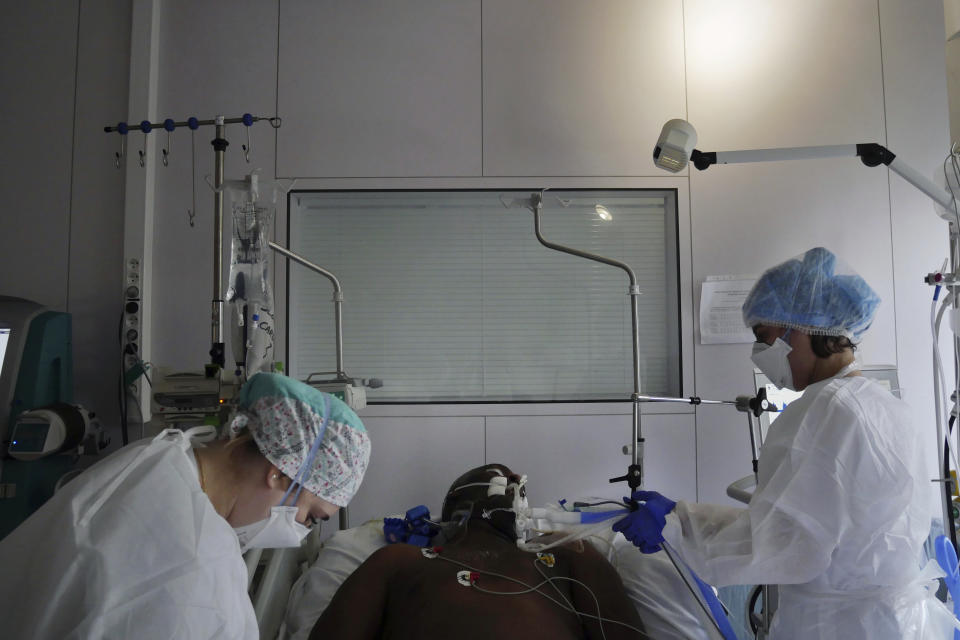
[498, 486]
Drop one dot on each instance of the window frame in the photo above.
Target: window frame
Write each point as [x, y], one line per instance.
[678, 253]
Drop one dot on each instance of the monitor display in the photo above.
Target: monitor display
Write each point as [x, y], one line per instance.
[4, 339]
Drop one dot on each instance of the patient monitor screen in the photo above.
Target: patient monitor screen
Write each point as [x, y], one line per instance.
[4, 339]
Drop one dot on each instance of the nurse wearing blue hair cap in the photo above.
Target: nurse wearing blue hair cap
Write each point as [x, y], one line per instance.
[843, 502]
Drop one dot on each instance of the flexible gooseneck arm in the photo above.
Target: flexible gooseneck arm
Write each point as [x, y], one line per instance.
[635, 473]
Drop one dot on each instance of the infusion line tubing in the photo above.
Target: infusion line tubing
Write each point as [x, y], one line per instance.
[536, 201]
[337, 298]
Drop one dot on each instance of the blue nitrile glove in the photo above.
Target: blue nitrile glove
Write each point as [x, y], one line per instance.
[644, 527]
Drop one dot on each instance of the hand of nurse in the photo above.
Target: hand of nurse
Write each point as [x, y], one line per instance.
[644, 527]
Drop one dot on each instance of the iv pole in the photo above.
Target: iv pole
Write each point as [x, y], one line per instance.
[220, 143]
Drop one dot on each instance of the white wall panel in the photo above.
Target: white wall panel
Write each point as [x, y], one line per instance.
[214, 60]
[579, 88]
[413, 461]
[573, 457]
[96, 234]
[38, 44]
[918, 129]
[379, 88]
[783, 74]
[754, 81]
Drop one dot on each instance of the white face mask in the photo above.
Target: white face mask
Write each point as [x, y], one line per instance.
[281, 529]
[772, 361]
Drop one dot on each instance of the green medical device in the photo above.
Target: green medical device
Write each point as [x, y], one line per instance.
[36, 370]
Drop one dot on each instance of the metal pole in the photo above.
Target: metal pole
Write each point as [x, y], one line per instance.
[337, 298]
[536, 204]
[217, 354]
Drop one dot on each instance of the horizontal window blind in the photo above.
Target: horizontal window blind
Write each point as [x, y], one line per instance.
[448, 296]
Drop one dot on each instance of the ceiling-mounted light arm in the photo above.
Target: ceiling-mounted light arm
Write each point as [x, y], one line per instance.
[678, 138]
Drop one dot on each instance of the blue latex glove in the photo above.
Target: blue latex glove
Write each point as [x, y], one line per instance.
[644, 527]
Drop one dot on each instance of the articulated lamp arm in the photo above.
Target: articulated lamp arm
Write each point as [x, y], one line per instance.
[675, 148]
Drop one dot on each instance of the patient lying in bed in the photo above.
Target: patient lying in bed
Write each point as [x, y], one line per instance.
[399, 592]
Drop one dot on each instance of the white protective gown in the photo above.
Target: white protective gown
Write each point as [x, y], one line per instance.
[132, 548]
[842, 508]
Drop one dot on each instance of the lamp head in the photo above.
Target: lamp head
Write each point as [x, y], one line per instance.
[674, 146]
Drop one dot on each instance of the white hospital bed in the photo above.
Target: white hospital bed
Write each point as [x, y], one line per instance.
[292, 587]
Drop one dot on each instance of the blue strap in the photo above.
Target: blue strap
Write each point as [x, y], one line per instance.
[716, 608]
[311, 456]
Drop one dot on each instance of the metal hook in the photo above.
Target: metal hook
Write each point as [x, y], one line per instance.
[119, 155]
[165, 153]
[143, 152]
[247, 147]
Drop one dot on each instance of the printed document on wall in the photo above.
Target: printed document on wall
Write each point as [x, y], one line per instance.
[721, 318]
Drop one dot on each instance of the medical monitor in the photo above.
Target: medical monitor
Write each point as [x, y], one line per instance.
[36, 358]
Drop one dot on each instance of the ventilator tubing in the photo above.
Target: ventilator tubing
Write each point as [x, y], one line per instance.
[576, 524]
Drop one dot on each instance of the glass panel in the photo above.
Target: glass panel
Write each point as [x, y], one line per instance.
[448, 296]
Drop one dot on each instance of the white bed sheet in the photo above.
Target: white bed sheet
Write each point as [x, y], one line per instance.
[665, 605]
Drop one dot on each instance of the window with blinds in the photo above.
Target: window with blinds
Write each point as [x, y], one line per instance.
[449, 297]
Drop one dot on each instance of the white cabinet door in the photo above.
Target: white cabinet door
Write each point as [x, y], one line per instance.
[413, 462]
[575, 456]
[379, 88]
[573, 88]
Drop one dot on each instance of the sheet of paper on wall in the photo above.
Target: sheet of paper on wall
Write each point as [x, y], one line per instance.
[721, 318]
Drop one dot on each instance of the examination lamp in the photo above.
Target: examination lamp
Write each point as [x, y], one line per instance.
[675, 149]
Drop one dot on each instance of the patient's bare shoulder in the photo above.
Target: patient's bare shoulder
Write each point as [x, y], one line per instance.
[357, 609]
[394, 557]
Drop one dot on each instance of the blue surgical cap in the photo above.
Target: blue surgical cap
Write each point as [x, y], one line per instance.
[812, 293]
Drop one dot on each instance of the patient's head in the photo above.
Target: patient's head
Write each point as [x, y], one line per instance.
[468, 495]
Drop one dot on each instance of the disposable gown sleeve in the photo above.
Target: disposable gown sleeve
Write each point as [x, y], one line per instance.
[826, 481]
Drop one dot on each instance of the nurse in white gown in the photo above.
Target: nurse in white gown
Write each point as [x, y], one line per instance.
[147, 543]
[844, 500]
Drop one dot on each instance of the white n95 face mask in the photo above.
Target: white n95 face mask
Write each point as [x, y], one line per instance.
[772, 361]
[280, 530]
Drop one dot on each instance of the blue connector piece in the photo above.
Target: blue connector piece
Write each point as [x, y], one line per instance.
[169, 125]
[248, 119]
[122, 128]
[146, 127]
[412, 529]
[193, 123]
[395, 530]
